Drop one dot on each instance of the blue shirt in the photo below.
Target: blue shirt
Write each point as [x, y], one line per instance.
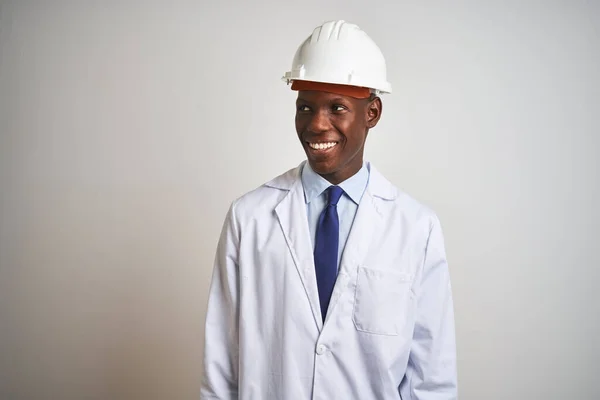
[316, 200]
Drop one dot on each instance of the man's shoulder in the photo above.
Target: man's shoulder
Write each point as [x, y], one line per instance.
[400, 203]
[415, 209]
[269, 193]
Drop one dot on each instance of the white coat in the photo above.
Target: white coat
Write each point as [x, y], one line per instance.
[389, 332]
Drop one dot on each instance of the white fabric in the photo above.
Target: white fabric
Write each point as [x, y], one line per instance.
[389, 332]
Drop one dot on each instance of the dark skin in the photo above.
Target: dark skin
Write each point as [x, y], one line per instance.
[338, 126]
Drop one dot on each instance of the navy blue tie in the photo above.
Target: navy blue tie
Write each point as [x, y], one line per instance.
[326, 248]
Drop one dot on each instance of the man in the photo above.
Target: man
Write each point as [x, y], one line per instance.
[330, 283]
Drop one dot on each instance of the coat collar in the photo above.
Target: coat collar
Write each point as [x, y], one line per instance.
[378, 185]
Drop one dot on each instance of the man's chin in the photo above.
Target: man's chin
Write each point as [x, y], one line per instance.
[322, 168]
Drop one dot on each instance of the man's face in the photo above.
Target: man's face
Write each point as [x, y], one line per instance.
[332, 129]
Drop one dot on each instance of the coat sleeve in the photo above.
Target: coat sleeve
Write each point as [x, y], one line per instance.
[431, 372]
[221, 344]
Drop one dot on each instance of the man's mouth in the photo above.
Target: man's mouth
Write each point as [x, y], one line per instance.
[321, 145]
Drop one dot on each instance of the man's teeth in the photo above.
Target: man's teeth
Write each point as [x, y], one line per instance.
[322, 146]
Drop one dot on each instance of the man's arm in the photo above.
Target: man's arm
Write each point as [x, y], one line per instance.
[431, 372]
[220, 379]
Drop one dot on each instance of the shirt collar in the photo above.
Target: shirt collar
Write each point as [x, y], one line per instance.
[314, 184]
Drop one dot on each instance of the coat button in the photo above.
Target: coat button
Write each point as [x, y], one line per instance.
[321, 349]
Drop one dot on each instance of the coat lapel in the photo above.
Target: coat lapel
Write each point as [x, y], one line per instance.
[369, 216]
[357, 246]
[291, 213]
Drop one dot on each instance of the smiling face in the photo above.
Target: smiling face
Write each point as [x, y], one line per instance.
[333, 129]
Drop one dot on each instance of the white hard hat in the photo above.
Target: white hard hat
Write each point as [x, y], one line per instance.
[340, 53]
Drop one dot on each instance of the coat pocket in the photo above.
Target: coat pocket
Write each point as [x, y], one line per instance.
[381, 300]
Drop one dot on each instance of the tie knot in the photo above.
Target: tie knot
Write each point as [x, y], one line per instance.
[335, 192]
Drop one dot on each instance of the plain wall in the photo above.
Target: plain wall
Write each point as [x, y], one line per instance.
[127, 129]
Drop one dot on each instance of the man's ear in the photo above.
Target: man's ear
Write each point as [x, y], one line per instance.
[374, 109]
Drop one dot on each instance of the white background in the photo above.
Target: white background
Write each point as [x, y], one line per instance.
[127, 130]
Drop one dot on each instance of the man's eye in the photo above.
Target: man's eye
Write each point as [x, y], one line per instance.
[303, 108]
[338, 108]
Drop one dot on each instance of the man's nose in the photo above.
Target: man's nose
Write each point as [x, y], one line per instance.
[319, 122]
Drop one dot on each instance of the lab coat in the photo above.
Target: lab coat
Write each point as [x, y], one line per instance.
[389, 329]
